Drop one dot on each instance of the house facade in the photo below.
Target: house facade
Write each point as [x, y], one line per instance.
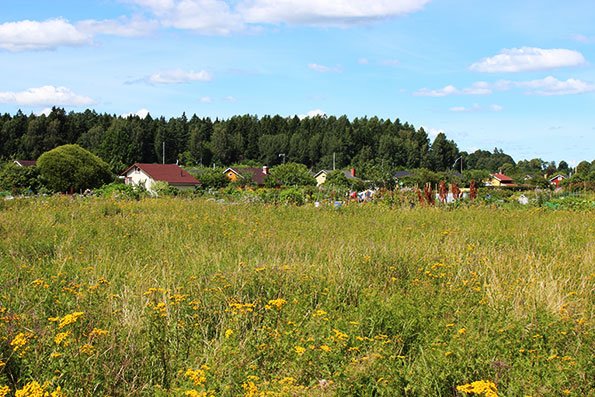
[556, 180]
[254, 175]
[141, 174]
[499, 180]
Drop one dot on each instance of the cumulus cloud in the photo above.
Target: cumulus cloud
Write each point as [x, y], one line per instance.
[46, 96]
[447, 90]
[178, 76]
[124, 26]
[206, 99]
[528, 59]
[203, 16]
[476, 108]
[142, 113]
[312, 113]
[548, 86]
[324, 69]
[33, 35]
[551, 86]
[329, 13]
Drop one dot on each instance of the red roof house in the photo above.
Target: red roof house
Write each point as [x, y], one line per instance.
[147, 174]
[499, 179]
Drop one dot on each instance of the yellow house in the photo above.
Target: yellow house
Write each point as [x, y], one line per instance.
[499, 180]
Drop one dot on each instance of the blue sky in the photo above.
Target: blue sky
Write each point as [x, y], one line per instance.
[517, 75]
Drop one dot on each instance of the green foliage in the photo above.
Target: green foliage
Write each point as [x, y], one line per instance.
[210, 178]
[19, 180]
[118, 190]
[72, 168]
[290, 174]
[292, 196]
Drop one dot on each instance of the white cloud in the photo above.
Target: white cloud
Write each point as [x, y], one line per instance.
[528, 59]
[142, 113]
[447, 90]
[203, 16]
[328, 13]
[550, 86]
[177, 76]
[476, 108]
[324, 69]
[312, 113]
[44, 111]
[363, 61]
[46, 96]
[230, 99]
[206, 99]
[34, 35]
[478, 88]
[125, 27]
[391, 62]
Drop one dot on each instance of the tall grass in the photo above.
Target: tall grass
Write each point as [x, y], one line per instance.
[247, 299]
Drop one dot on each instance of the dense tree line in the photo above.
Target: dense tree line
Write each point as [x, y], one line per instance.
[317, 142]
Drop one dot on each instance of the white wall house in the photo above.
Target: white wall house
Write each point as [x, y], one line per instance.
[141, 174]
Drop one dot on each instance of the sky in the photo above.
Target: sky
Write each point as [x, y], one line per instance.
[517, 75]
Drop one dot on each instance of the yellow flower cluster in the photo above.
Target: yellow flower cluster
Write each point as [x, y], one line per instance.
[19, 342]
[33, 389]
[98, 332]
[4, 390]
[197, 376]
[481, 387]
[241, 308]
[67, 319]
[276, 303]
[61, 338]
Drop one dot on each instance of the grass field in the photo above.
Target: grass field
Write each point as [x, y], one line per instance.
[192, 297]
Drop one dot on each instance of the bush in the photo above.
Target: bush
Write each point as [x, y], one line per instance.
[290, 174]
[19, 180]
[71, 168]
[292, 196]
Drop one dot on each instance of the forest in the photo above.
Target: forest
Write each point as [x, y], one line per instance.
[318, 142]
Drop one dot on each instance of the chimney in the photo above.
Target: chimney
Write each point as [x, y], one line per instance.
[265, 170]
[353, 172]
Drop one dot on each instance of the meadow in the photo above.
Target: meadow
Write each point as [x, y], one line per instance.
[184, 297]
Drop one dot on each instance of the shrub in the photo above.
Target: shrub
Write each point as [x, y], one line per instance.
[72, 168]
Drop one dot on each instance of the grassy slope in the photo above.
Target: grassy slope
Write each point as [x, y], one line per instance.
[374, 300]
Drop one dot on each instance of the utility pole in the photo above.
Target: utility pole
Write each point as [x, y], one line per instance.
[282, 155]
[163, 156]
[334, 161]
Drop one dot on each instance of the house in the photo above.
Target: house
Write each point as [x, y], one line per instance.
[321, 175]
[399, 175]
[499, 180]
[146, 175]
[256, 175]
[556, 180]
[25, 163]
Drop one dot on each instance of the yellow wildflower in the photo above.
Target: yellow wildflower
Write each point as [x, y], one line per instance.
[61, 337]
[462, 331]
[481, 387]
[69, 319]
[4, 390]
[319, 313]
[98, 332]
[341, 336]
[197, 376]
[276, 303]
[87, 349]
[55, 355]
[228, 333]
[58, 392]
[20, 341]
[31, 389]
[299, 350]
[325, 348]
[194, 393]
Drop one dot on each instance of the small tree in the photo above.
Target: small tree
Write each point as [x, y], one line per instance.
[72, 168]
[290, 174]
